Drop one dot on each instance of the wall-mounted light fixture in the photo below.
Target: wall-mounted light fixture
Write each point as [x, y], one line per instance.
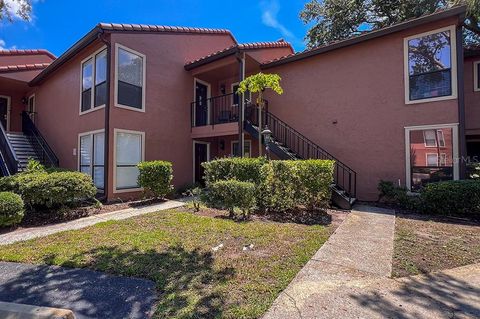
[222, 145]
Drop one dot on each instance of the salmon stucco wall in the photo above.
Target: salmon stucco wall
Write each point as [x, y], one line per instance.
[58, 108]
[472, 99]
[351, 102]
[169, 92]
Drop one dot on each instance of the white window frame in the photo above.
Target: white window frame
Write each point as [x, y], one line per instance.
[80, 135]
[476, 83]
[442, 160]
[9, 110]
[453, 66]
[438, 134]
[144, 78]
[245, 96]
[193, 156]
[408, 129]
[209, 95]
[436, 159]
[92, 98]
[245, 141]
[115, 132]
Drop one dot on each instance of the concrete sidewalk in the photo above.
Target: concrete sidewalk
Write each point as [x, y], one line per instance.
[35, 232]
[349, 277]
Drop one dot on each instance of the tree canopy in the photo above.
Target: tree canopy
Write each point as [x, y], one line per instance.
[334, 20]
[9, 9]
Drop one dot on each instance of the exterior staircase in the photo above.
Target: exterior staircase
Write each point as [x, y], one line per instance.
[288, 144]
[16, 149]
[24, 148]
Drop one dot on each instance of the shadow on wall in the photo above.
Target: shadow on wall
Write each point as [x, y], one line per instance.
[432, 296]
[184, 280]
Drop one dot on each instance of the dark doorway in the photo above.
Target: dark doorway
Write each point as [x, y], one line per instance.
[201, 105]
[3, 112]
[200, 156]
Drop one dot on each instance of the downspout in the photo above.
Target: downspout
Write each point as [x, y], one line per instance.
[461, 101]
[241, 106]
[106, 159]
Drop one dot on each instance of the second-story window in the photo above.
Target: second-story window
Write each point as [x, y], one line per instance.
[94, 82]
[430, 62]
[130, 84]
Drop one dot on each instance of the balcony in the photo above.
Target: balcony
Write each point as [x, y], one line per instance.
[215, 116]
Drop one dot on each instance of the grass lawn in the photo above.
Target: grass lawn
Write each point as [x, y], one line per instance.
[174, 249]
[424, 244]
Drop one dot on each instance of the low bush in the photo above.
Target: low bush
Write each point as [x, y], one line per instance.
[236, 196]
[451, 198]
[279, 190]
[393, 194]
[241, 169]
[41, 189]
[156, 177]
[11, 209]
[316, 177]
[279, 185]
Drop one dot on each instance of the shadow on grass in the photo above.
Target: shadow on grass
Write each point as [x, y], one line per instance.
[186, 280]
[440, 294]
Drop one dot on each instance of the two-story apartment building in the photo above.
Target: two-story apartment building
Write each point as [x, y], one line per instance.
[400, 103]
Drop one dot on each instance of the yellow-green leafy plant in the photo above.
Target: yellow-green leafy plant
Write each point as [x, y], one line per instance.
[258, 83]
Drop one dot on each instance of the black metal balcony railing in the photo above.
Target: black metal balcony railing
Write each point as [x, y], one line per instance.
[215, 110]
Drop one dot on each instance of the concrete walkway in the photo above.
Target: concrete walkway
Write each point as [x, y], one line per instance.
[349, 278]
[35, 232]
[89, 294]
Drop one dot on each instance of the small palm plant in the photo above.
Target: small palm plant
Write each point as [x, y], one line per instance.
[258, 83]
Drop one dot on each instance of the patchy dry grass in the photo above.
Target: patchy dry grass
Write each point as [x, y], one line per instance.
[424, 244]
[174, 248]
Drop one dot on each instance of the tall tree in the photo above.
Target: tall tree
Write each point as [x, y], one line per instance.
[10, 9]
[335, 20]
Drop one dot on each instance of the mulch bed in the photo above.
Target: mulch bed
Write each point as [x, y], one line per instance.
[304, 217]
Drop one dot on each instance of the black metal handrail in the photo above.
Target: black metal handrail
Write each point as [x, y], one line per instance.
[9, 157]
[42, 149]
[219, 109]
[345, 178]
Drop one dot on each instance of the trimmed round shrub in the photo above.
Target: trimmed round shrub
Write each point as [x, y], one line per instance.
[234, 195]
[451, 198]
[11, 209]
[156, 177]
[54, 189]
[241, 169]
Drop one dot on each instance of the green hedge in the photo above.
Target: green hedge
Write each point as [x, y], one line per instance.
[241, 169]
[279, 185]
[232, 195]
[451, 198]
[42, 189]
[11, 209]
[156, 177]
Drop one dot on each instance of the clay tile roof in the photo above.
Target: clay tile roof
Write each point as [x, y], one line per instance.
[27, 52]
[159, 28]
[23, 67]
[242, 46]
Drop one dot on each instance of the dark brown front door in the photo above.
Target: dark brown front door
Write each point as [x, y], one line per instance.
[201, 105]
[200, 156]
[3, 112]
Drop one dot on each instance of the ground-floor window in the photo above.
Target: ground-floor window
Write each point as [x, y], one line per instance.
[432, 154]
[247, 147]
[129, 151]
[91, 157]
